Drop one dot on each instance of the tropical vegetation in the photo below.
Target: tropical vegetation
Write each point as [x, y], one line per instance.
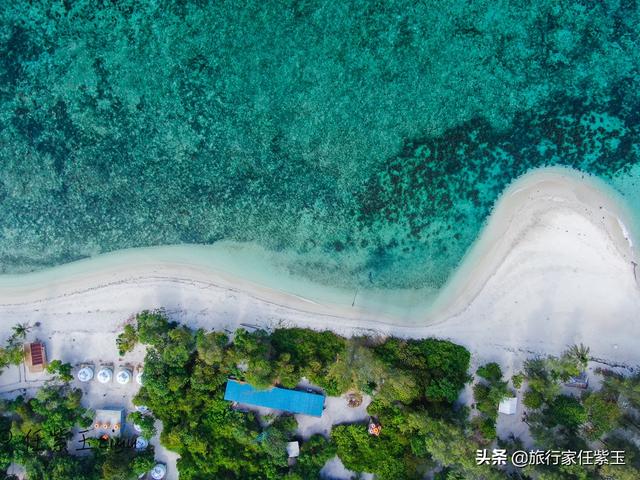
[414, 386]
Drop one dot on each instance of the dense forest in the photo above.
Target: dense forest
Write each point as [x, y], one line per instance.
[413, 383]
[414, 386]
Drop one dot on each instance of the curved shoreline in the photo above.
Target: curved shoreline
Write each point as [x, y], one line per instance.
[242, 268]
[520, 207]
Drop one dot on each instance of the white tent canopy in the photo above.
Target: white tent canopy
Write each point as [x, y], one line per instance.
[508, 406]
[85, 374]
[139, 377]
[293, 449]
[105, 375]
[158, 472]
[141, 443]
[123, 377]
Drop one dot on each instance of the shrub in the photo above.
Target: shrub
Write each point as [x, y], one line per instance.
[60, 370]
[490, 372]
[517, 380]
[152, 327]
[533, 399]
[567, 411]
[127, 340]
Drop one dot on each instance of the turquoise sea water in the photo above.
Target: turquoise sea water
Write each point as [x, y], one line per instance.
[365, 140]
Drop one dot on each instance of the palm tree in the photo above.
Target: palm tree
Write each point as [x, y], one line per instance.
[580, 353]
[20, 330]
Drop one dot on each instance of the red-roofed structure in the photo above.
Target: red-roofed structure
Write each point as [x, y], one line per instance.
[35, 356]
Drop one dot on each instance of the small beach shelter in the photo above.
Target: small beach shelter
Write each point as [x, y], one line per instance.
[141, 443]
[158, 472]
[293, 449]
[123, 377]
[35, 357]
[108, 422]
[105, 375]
[508, 406]
[85, 374]
[139, 378]
[579, 381]
[374, 428]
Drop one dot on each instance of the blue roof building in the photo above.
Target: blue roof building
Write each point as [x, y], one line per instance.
[292, 401]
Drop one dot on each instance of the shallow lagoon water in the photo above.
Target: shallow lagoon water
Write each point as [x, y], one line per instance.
[362, 145]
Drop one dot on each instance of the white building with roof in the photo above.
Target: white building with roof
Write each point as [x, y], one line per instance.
[508, 406]
[293, 449]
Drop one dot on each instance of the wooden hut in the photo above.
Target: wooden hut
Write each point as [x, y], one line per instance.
[35, 356]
